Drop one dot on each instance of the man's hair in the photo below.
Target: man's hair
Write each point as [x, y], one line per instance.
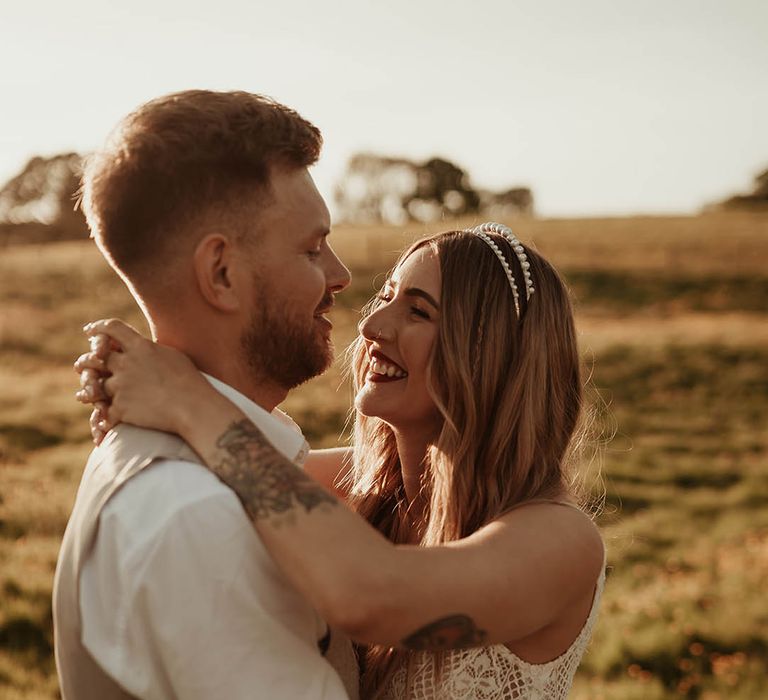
[181, 162]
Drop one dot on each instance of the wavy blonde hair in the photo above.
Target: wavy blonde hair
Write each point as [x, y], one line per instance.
[510, 395]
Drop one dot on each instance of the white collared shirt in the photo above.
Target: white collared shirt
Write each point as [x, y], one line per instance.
[180, 599]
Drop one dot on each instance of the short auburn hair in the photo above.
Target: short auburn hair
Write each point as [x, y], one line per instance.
[182, 161]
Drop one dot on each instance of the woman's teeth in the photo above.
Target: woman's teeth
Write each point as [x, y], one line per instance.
[387, 370]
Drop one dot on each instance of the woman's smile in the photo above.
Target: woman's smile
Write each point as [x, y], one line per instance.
[382, 369]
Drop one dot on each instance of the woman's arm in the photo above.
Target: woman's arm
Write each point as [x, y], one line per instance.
[505, 582]
[500, 585]
[330, 467]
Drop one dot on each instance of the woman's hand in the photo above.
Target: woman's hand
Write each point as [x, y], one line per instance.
[91, 366]
[133, 380]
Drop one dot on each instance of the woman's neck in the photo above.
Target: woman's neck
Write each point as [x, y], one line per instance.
[412, 451]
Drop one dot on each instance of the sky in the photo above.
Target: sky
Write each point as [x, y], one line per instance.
[602, 107]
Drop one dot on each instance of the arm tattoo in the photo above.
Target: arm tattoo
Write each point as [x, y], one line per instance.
[452, 632]
[266, 482]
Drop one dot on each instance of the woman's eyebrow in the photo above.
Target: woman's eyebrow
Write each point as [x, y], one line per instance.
[416, 292]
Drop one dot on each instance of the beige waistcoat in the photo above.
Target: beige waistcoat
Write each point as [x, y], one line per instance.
[123, 454]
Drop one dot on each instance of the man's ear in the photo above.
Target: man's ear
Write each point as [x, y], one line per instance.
[213, 268]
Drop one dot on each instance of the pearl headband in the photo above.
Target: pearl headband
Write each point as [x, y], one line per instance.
[482, 231]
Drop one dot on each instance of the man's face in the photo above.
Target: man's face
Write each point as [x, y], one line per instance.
[296, 274]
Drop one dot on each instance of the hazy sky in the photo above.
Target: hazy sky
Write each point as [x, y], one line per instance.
[601, 106]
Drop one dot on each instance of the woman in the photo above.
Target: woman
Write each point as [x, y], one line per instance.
[480, 577]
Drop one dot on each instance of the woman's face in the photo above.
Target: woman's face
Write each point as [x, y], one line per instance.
[398, 337]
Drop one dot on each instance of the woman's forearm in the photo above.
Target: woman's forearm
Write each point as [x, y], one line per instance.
[270, 486]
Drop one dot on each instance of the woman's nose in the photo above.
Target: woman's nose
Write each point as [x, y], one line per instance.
[375, 327]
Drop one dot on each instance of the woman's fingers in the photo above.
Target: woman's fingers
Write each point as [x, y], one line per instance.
[101, 345]
[91, 394]
[100, 422]
[116, 329]
[91, 387]
[107, 338]
[96, 431]
[92, 369]
[88, 376]
[90, 360]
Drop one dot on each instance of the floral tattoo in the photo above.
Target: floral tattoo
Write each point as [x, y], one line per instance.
[452, 632]
[267, 483]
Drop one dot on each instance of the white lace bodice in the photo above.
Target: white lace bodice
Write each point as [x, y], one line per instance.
[491, 673]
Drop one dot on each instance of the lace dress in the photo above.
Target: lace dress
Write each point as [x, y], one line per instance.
[491, 673]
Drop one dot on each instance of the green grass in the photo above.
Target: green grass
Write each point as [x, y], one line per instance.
[686, 519]
[613, 292]
[673, 332]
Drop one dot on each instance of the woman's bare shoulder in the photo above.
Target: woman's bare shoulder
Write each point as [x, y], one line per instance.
[556, 525]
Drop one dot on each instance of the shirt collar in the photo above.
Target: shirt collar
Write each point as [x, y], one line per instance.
[277, 427]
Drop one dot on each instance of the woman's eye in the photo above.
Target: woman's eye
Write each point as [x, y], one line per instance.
[313, 254]
[419, 312]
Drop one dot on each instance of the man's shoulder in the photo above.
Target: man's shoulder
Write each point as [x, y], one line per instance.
[174, 509]
[155, 494]
[126, 444]
[157, 481]
[167, 489]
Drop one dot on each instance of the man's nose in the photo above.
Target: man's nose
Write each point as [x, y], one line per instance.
[337, 274]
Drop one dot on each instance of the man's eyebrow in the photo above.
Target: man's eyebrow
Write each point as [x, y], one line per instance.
[416, 292]
[320, 232]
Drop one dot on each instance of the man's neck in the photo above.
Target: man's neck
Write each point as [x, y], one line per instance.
[265, 394]
[218, 360]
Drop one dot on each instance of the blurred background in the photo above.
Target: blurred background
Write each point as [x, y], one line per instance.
[625, 140]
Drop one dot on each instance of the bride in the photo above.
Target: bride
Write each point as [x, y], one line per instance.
[462, 564]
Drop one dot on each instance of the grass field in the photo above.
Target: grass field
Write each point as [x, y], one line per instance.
[673, 322]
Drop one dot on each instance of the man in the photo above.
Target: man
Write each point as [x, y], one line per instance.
[203, 204]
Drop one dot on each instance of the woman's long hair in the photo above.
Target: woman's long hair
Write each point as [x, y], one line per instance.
[510, 394]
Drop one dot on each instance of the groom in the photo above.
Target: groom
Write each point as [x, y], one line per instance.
[202, 203]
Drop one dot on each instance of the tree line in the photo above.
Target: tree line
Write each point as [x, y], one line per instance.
[39, 203]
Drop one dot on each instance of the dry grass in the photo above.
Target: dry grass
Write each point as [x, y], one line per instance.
[720, 243]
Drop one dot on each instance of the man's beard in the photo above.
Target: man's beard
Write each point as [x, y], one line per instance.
[285, 349]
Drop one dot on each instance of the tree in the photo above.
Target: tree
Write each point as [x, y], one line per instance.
[373, 188]
[757, 199]
[517, 201]
[377, 188]
[38, 204]
[442, 188]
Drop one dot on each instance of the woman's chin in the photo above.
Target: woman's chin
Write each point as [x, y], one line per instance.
[367, 405]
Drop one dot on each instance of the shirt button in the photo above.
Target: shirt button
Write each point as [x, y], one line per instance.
[303, 452]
